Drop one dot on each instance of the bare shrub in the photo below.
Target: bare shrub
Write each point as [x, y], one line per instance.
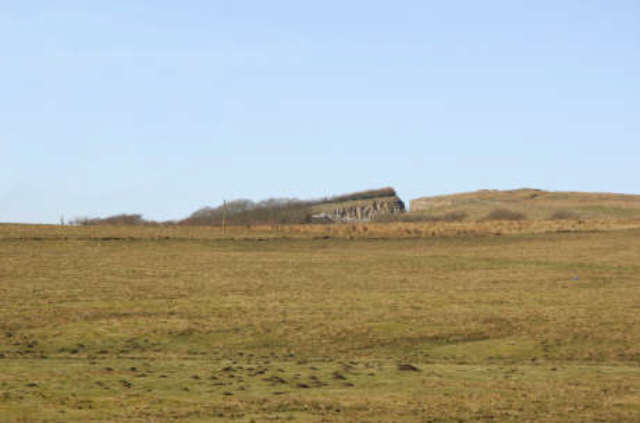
[362, 195]
[119, 220]
[504, 214]
[274, 211]
[81, 221]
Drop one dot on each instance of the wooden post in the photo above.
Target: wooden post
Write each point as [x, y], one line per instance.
[224, 215]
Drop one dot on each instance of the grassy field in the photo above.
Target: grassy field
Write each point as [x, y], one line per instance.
[355, 323]
[532, 203]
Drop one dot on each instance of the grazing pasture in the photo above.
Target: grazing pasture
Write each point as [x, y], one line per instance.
[530, 203]
[354, 323]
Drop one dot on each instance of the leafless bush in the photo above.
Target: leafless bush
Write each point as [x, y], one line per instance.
[362, 195]
[245, 212]
[119, 219]
[81, 221]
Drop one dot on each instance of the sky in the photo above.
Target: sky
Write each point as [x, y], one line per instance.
[162, 107]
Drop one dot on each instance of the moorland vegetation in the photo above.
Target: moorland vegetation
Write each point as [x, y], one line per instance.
[521, 321]
[478, 206]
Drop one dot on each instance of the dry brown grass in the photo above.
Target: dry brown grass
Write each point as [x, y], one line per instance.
[420, 229]
[504, 214]
[564, 214]
[300, 323]
[535, 204]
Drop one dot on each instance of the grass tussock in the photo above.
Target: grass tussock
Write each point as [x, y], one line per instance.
[505, 214]
[564, 215]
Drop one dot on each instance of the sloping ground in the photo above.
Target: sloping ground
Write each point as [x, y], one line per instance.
[533, 203]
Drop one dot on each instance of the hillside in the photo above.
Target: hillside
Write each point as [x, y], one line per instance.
[384, 205]
[530, 204]
[358, 206]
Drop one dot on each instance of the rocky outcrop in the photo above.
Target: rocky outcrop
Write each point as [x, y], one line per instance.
[360, 211]
[370, 211]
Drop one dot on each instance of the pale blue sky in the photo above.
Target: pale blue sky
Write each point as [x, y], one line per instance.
[162, 107]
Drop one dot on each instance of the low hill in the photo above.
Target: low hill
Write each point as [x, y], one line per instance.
[357, 206]
[527, 203]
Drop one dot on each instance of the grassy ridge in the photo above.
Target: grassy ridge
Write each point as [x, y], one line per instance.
[190, 326]
[531, 203]
[520, 204]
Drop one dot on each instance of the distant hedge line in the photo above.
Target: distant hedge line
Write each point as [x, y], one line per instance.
[245, 212]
